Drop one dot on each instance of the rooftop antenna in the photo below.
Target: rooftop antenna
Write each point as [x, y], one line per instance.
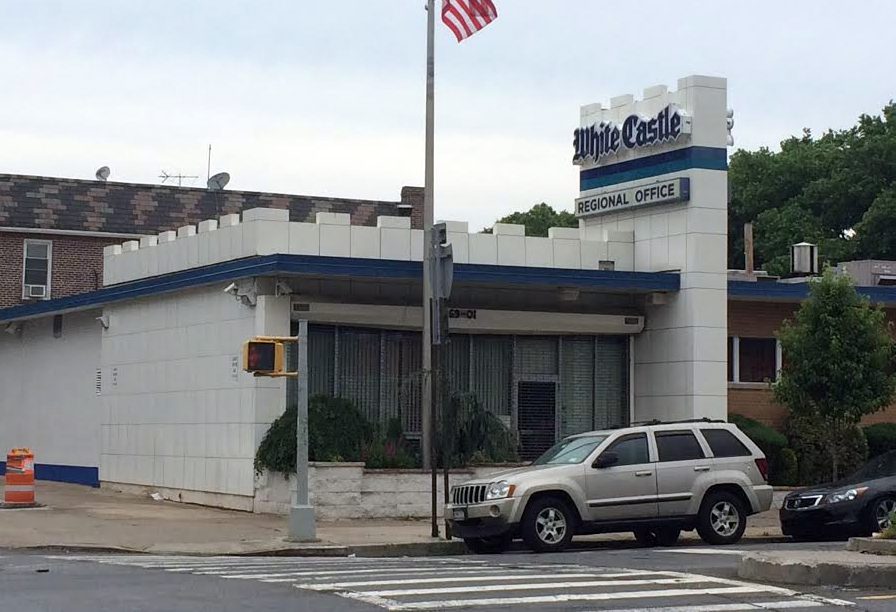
[218, 181]
[180, 177]
[208, 169]
[102, 174]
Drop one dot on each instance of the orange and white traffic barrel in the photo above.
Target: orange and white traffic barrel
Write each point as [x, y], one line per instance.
[19, 477]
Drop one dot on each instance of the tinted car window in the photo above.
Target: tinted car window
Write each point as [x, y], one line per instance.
[879, 467]
[724, 443]
[631, 450]
[678, 446]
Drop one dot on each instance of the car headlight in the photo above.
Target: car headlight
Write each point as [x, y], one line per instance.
[847, 495]
[499, 490]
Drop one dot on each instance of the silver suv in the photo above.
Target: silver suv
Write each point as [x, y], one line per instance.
[654, 479]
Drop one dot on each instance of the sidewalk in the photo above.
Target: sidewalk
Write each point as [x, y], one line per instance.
[84, 518]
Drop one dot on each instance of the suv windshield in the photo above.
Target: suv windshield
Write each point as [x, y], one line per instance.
[570, 450]
[879, 467]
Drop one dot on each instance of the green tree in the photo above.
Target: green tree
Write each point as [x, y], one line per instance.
[539, 219]
[838, 356]
[816, 189]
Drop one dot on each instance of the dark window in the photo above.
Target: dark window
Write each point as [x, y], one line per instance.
[678, 446]
[730, 358]
[725, 444]
[757, 359]
[57, 326]
[631, 450]
[37, 264]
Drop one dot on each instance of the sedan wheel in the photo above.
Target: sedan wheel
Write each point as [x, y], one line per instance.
[880, 513]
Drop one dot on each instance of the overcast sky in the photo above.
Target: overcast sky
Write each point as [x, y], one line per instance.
[326, 97]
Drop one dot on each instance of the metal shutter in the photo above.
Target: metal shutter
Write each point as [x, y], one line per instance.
[492, 372]
[577, 385]
[611, 379]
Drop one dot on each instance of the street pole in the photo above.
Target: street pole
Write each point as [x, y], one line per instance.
[301, 516]
[427, 422]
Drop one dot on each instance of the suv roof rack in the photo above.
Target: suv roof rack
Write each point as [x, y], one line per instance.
[659, 422]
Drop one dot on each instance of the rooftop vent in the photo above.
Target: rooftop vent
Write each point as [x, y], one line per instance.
[804, 258]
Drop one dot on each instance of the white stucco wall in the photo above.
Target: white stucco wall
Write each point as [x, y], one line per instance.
[348, 491]
[180, 416]
[681, 356]
[48, 399]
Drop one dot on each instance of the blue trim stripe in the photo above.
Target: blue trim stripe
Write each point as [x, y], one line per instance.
[74, 474]
[703, 158]
[271, 265]
[795, 292]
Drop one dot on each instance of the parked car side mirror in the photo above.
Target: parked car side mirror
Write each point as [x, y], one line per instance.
[606, 460]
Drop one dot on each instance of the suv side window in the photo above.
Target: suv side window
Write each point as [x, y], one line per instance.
[631, 449]
[678, 446]
[724, 443]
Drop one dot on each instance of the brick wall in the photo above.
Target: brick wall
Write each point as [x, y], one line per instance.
[763, 320]
[77, 264]
[414, 196]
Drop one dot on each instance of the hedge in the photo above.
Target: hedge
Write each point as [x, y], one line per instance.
[881, 438]
[781, 460]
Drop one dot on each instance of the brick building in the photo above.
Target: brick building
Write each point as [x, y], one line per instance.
[53, 230]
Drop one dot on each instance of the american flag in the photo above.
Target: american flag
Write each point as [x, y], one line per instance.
[466, 17]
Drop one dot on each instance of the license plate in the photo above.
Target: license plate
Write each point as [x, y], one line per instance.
[459, 514]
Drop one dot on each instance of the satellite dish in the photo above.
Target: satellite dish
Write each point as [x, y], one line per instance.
[102, 174]
[218, 181]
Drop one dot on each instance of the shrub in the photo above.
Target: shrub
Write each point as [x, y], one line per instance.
[810, 440]
[391, 451]
[787, 474]
[469, 431]
[337, 431]
[881, 438]
[890, 532]
[771, 442]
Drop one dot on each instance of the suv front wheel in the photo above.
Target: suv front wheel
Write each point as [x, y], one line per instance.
[547, 525]
[722, 519]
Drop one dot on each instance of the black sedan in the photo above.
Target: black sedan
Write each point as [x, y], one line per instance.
[858, 505]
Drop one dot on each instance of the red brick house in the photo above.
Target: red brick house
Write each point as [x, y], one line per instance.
[53, 230]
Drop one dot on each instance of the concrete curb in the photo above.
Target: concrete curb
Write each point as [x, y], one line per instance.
[874, 546]
[785, 568]
[406, 549]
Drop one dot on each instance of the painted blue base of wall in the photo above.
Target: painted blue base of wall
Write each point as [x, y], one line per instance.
[75, 474]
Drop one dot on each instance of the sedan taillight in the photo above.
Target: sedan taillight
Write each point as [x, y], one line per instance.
[762, 464]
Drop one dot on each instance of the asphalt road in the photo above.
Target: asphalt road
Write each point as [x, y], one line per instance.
[687, 579]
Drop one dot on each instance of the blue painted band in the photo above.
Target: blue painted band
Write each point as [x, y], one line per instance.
[75, 474]
[703, 158]
[796, 292]
[270, 265]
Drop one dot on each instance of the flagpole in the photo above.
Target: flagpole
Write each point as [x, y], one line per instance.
[426, 403]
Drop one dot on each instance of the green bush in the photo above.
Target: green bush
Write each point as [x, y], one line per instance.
[337, 431]
[811, 442]
[468, 431]
[890, 532]
[771, 442]
[787, 473]
[881, 438]
[390, 451]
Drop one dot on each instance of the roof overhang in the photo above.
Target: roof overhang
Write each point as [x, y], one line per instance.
[470, 276]
[769, 291]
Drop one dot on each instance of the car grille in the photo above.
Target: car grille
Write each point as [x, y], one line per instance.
[802, 503]
[468, 494]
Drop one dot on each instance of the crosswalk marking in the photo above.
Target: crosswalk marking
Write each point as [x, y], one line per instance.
[702, 551]
[446, 583]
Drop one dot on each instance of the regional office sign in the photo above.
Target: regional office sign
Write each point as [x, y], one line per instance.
[597, 141]
[673, 190]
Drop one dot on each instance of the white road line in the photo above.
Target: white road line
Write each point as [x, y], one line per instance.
[590, 584]
[552, 599]
[701, 551]
[784, 592]
[267, 566]
[383, 571]
[735, 607]
[480, 578]
[328, 576]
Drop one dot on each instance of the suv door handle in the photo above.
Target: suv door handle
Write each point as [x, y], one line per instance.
[702, 468]
[645, 473]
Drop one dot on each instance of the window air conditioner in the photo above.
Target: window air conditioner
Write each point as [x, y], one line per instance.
[36, 291]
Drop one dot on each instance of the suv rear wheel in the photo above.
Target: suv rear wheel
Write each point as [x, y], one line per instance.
[547, 525]
[722, 519]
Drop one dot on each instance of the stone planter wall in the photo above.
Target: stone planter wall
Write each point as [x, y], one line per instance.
[349, 491]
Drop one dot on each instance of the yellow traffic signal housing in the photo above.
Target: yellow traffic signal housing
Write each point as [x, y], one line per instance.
[263, 357]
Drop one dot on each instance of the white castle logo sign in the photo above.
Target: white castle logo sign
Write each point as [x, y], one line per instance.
[597, 141]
